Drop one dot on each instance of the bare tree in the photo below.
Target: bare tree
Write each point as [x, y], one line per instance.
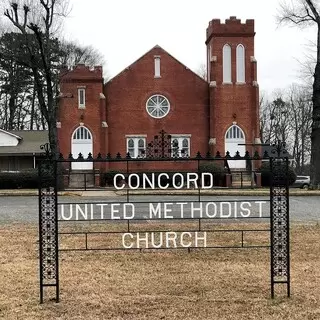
[274, 115]
[264, 120]
[305, 13]
[288, 117]
[37, 22]
[202, 71]
[300, 102]
[72, 53]
[307, 65]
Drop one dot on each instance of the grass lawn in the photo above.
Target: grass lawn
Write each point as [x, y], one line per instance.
[203, 284]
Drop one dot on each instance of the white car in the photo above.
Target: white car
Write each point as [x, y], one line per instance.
[302, 182]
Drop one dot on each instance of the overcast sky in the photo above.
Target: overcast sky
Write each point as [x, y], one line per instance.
[123, 30]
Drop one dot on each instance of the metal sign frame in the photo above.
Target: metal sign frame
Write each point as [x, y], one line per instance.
[159, 150]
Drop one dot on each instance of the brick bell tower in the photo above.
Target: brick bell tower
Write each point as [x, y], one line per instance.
[81, 123]
[233, 87]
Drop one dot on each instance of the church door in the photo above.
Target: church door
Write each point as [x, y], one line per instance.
[234, 137]
[81, 142]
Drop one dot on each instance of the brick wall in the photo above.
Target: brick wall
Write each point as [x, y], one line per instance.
[128, 93]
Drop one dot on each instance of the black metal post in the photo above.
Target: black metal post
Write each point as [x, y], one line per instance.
[48, 225]
[279, 217]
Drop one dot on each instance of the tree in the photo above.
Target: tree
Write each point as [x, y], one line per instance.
[263, 113]
[274, 122]
[202, 71]
[288, 117]
[306, 13]
[307, 65]
[37, 24]
[300, 122]
[72, 53]
[19, 107]
[16, 83]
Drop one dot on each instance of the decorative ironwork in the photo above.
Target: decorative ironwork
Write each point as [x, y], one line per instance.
[279, 215]
[48, 227]
[278, 150]
[47, 150]
[160, 147]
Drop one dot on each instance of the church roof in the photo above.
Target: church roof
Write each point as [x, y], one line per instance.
[145, 54]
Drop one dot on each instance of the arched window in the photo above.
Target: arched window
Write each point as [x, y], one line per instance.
[175, 148]
[234, 132]
[240, 64]
[131, 148]
[208, 63]
[226, 60]
[141, 146]
[82, 133]
[136, 147]
[180, 146]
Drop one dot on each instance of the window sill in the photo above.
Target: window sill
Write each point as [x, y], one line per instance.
[136, 136]
[227, 83]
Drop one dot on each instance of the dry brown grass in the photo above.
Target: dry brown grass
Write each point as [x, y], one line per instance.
[210, 284]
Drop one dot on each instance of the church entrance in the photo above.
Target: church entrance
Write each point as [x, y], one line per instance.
[81, 142]
[233, 138]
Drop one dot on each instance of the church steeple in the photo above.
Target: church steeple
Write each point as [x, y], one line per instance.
[232, 77]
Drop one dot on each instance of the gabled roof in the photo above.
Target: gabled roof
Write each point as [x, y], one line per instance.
[166, 52]
[29, 142]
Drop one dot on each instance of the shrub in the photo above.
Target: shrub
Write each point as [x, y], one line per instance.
[107, 177]
[266, 174]
[216, 169]
[20, 179]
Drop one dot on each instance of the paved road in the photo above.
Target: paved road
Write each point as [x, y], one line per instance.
[25, 209]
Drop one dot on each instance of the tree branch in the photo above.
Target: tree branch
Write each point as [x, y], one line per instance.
[26, 9]
[299, 14]
[12, 15]
[314, 10]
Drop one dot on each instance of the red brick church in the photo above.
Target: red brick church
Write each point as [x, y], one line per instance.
[157, 92]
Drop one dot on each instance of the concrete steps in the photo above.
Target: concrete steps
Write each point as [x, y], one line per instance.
[241, 178]
[81, 179]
